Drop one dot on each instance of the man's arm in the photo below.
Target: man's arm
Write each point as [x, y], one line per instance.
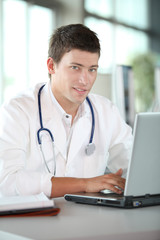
[63, 185]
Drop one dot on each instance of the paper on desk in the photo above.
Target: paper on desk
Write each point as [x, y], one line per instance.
[11, 236]
[25, 202]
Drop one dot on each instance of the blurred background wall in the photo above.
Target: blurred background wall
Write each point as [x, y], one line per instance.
[129, 32]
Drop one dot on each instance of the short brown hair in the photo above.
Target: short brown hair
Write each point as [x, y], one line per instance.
[73, 36]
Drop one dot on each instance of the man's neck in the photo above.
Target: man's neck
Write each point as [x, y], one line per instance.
[70, 109]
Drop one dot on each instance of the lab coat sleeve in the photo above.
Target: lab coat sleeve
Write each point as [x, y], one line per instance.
[15, 179]
[121, 143]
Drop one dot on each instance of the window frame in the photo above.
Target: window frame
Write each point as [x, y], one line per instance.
[115, 22]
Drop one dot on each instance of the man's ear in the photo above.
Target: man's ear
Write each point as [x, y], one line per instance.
[50, 65]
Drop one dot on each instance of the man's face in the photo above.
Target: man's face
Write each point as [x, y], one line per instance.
[73, 77]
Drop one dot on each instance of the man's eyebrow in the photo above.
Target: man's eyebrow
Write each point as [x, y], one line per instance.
[81, 65]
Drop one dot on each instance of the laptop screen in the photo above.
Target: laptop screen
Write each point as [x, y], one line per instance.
[143, 176]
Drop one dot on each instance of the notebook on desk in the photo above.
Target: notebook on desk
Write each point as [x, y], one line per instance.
[143, 176]
[27, 206]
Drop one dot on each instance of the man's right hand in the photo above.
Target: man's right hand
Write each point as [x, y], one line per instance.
[109, 181]
[63, 185]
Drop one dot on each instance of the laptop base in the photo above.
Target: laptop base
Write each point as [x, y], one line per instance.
[114, 200]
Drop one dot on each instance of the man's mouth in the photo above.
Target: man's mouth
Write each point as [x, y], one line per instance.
[80, 90]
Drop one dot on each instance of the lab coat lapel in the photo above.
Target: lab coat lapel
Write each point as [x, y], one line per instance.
[80, 137]
[52, 121]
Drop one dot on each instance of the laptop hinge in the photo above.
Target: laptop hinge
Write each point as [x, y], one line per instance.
[147, 195]
[129, 200]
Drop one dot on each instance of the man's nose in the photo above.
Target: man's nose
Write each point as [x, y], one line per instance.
[83, 79]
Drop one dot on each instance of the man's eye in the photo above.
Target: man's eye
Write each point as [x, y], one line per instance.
[92, 69]
[74, 67]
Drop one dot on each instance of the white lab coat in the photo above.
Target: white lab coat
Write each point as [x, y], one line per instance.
[22, 168]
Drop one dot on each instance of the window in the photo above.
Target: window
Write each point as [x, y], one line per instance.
[26, 29]
[106, 41]
[122, 29]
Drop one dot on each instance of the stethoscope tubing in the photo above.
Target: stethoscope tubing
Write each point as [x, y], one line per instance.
[93, 120]
[40, 119]
[46, 129]
[89, 148]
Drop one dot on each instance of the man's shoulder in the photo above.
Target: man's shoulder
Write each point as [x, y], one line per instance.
[24, 99]
[100, 100]
[103, 105]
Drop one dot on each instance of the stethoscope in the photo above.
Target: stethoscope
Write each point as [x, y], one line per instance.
[90, 146]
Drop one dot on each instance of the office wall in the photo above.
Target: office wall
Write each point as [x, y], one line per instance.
[1, 56]
[103, 85]
[154, 12]
[70, 12]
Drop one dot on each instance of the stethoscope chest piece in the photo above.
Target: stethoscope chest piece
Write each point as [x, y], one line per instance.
[90, 148]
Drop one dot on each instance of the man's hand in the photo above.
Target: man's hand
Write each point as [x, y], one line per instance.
[109, 181]
[63, 185]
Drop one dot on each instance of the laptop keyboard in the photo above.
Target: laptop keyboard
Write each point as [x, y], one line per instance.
[106, 192]
[112, 195]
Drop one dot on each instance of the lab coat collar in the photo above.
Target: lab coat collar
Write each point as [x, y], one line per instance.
[81, 111]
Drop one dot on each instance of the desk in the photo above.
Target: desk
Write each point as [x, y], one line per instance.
[77, 222]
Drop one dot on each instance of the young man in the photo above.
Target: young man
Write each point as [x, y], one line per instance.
[90, 138]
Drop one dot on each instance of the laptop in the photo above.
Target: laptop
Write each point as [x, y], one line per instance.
[142, 186]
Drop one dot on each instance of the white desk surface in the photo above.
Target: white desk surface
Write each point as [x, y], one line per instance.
[77, 222]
